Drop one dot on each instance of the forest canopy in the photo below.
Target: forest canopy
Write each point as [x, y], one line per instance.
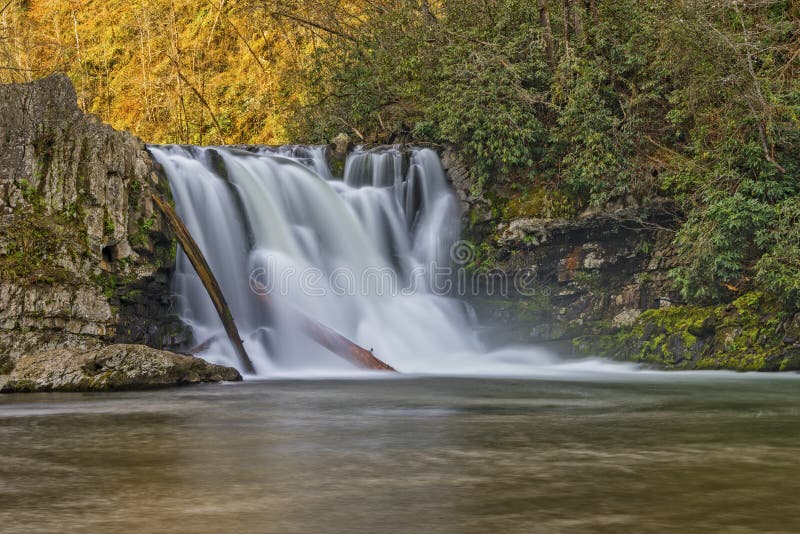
[589, 100]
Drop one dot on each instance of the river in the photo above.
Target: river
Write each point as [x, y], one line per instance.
[594, 452]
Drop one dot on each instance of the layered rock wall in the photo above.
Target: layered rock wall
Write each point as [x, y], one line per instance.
[84, 257]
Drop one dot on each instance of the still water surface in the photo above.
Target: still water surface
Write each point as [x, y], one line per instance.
[642, 453]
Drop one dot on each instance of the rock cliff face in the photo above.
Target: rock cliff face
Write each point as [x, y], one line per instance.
[548, 280]
[569, 278]
[598, 284]
[85, 259]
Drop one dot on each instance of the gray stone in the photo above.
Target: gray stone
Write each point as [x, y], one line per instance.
[342, 144]
[594, 273]
[469, 192]
[114, 367]
[625, 318]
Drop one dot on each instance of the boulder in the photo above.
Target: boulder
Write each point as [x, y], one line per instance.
[114, 367]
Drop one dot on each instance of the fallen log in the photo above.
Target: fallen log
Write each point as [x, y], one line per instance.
[336, 342]
[340, 345]
[200, 265]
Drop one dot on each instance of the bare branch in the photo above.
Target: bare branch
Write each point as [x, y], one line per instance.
[313, 24]
[3, 9]
[200, 97]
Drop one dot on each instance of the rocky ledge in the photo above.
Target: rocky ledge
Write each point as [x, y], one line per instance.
[566, 278]
[115, 367]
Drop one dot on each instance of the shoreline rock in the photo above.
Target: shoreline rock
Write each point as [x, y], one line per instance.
[111, 368]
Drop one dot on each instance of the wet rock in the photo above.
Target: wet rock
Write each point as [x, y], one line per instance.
[791, 360]
[791, 332]
[596, 270]
[676, 349]
[115, 367]
[528, 232]
[475, 208]
[704, 329]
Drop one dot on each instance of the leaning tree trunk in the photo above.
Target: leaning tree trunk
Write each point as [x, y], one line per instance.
[336, 342]
[200, 265]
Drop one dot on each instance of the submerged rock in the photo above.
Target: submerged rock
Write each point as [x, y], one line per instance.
[115, 367]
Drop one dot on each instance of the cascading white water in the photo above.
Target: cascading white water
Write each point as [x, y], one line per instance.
[356, 253]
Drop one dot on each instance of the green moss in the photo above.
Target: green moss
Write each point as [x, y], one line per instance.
[70, 212]
[337, 166]
[134, 193]
[147, 224]
[791, 363]
[739, 360]
[21, 386]
[750, 302]
[142, 235]
[540, 204]
[38, 240]
[108, 225]
[483, 258]
[742, 336]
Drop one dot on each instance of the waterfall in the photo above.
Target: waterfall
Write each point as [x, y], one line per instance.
[364, 254]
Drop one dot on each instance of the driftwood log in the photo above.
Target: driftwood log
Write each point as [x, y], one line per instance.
[334, 341]
[338, 344]
[321, 334]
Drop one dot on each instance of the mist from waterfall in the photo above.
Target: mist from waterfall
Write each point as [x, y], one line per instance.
[358, 253]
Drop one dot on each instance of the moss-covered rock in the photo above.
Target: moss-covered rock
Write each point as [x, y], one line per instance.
[6, 364]
[752, 333]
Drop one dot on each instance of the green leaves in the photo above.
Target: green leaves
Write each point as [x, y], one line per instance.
[778, 270]
[589, 132]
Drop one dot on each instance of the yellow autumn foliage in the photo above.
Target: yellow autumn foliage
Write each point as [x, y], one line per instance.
[183, 71]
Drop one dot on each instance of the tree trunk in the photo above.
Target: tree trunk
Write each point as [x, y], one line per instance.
[200, 265]
[340, 345]
[577, 23]
[547, 31]
[334, 341]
